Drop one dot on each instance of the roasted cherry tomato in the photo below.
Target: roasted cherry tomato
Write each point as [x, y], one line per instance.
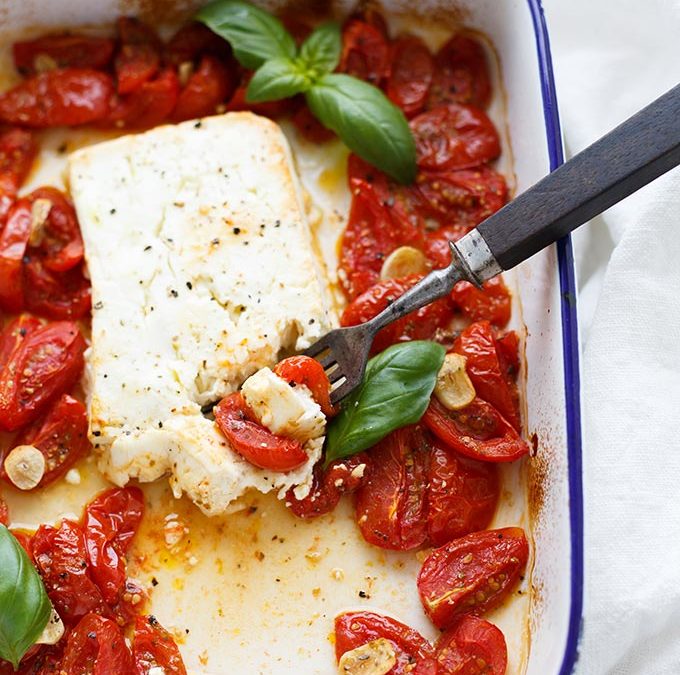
[454, 136]
[507, 347]
[390, 503]
[96, 647]
[309, 126]
[252, 441]
[461, 494]
[419, 325]
[410, 74]
[153, 647]
[478, 431]
[61, 436]
[213, 83]
[353, 629]
[373, 17]
[131, 598]
[341, 477]
[14, 333]
[17, 152]
[492, 302]
[194, 40]
[56, 295]
[471, 575]
[13, 243]
[478, 345]
[138, 59]
[62, 51]
[377, 225]
[67, 97]
[461, 74]
[148, 105]
[471, 646]
[110, 522]
[365, 52]
[308, 371]
[39, 660]
[57, 238]
[4, 512]
[47, 363]
[61, 558]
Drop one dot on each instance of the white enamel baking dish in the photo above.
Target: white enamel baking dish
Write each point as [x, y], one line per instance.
[257, 592]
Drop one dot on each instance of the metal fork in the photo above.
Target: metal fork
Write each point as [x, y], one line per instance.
[635, 153]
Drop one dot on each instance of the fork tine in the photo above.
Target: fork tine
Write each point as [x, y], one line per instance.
[340, 391]
[335, 375]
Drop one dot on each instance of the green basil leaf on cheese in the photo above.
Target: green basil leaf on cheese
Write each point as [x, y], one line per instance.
[395, 392]
[367, 122]
[320, 52]
[255, 35]
[276, 79]
[24, 605]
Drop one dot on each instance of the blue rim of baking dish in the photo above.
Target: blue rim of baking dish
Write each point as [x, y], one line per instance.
[570, 345]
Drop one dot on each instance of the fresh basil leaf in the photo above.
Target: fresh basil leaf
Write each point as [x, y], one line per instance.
[255, 35]
[276, 79]
[320, 52]
[24, 605]
[395, 392]
[368, 123]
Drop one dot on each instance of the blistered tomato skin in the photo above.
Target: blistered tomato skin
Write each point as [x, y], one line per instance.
[62, 51]
[153, 647]
[13, 244]
[14, 333]
[365, 52]
[492, 302]
[472, 575]
[17, 152]
[410, 75]
[68, 97]
[138, 58]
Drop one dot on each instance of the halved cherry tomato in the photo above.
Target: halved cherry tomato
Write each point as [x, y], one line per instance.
[139, 57]
[343, 476]
[507, 346]
[96, 647]
[353, 629]
[308, 371]
[377, 225]
[365, 52]
[4, 512]
[454, 136]
[419, 325]
[194, 40]
[150, 104]
[62, 51]
[14, 333]
[61, 245]
[410, 74]
[309, 126]
[131, 598]
[61, 436]
[17, 152]
[67, 97]
[461, 494]
[472, 646]
[461, 74]
[478, 431]
[153, 647]
[471, 575]
[390, 503]
[13, 243]
[492, 302]
[61, 559]
[213, 83]
[252, 441]
[110, 522]
[478, 345]
[373, 17]
[47, 363]
[56, 295]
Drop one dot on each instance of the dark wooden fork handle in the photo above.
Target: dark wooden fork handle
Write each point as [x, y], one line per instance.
[632, 155]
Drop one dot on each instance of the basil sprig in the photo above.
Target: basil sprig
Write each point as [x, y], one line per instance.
[395, 392]
[359, 113]
[24, 605]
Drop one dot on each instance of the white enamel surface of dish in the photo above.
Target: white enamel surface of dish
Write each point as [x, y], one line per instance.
[256, 592]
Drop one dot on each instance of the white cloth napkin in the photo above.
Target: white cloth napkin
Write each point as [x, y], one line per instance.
[612, 57]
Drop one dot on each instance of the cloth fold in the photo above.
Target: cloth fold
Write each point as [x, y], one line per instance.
[613, 57]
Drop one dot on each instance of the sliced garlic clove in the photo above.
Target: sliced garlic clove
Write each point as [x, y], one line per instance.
[453, 389]
[43, 63]
[376, 657]
[53, 631]
[40, 210]
[25, 466]
[184, 71]
[403, 261]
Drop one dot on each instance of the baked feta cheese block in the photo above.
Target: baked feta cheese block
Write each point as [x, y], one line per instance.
[203, 272]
